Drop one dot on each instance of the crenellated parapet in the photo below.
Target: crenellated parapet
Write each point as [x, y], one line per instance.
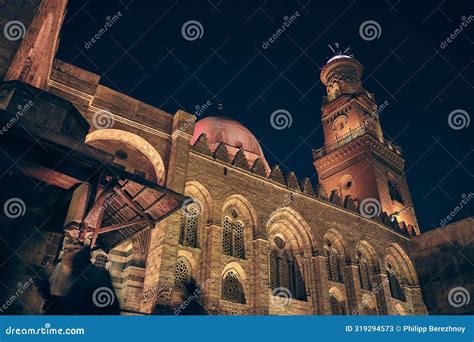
[291, 182]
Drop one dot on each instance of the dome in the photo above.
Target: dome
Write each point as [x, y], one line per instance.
[233, 134]
[337, 57]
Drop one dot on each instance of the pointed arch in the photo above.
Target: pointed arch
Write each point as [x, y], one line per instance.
[239, 220]
[195, 215]
[289, 223]
[134, 140]
[401, 264]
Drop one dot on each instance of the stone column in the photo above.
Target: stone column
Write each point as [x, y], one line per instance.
[350, 274]
[260, 276]
[211, 268]
[164, 240]
[323, 306]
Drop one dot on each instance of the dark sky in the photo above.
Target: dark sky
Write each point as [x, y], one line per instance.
[143, 54]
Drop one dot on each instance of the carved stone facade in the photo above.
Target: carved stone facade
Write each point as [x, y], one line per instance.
[331, 259]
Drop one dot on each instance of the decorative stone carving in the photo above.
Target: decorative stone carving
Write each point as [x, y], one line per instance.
[277, 175]
[292, 181]
[201, 144]
[259, 168]
[221, 153]
[321, 192]
[307, 187]
[240, 160]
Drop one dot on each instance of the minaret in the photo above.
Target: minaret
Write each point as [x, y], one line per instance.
[356, 159]
[34, 58]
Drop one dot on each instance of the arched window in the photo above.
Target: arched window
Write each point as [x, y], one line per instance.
[183, 272]
[337, 308]
[284, 271]
[233, 238]
[189, 224]
[396, 290]
[333, 265]
[364, 274]
[232, 289]
[394, 191]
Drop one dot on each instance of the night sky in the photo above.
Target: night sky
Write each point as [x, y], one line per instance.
[144, 54]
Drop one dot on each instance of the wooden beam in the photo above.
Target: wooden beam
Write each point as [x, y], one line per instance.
[129, 200]
[101, 199]
[121, 225]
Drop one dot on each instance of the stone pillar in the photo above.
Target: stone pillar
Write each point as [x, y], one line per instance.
[164, 239]
[350, 274]
[324, 308]
[260, 276]
[211, 268]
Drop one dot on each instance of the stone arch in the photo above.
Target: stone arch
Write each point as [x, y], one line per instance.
[341, 298]
[201, 197]
[190, 259]
[402, 265]
[238, 228]
[183, 271]
[369, 252]
[289, 223]
[338, 242]
[135, 141]
[234, 286]
[244, 206]
[236, 267]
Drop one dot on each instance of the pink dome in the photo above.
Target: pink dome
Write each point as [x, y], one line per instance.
[220, 129]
